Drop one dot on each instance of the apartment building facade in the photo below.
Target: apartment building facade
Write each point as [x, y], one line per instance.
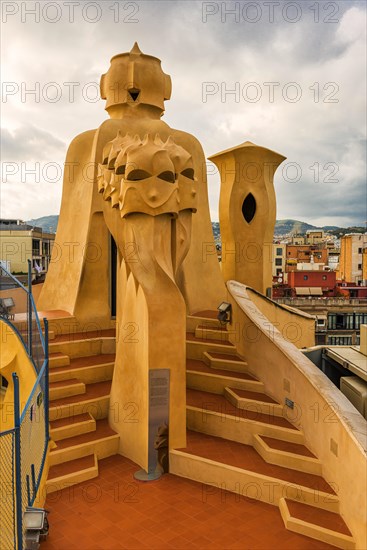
[352, 262]
[20, 242]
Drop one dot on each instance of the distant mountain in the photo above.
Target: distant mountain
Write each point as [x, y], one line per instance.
[47, 223]
[282, 227]
[290, 227]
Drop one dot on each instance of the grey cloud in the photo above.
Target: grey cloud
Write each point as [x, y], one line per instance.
[194, 52]
[29, 143]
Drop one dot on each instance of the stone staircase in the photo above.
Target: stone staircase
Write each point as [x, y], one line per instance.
[240, 439]
[80, 374]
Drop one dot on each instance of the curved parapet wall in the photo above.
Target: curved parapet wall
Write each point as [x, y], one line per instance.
[14, 358]
[332, 427]
[293, 324]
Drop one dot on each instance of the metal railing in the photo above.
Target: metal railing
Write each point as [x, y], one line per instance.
[23, 448]
[321, 301]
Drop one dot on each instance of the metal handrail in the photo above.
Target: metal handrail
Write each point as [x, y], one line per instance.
[31, 310]
[20, 417]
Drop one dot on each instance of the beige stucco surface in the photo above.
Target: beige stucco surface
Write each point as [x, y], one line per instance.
[247, 246]
[327, 419]
[294, 325]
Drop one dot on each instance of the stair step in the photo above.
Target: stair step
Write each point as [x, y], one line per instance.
[208, 333]
[255, 401]
[287, 446]
[72, 472]
[71, 426]
[81, 344]
[213, 414]
[222, 406]
[95, 400]
[59, 321]
[190, 337]
[207, 314]
[89, 369]
[323, 525]
[196, 347]
[192, 321]
[224, 361]
[66, 388]
[85, 335]
[58, 360]
[104, 442]
[284, 453]
[239, 468]
[200, 376]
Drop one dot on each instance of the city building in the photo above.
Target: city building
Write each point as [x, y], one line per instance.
[298, 239]
[315, 236]
[306, 282]
[20, 242]
[306, 253]
[352, 264]
[279, 260]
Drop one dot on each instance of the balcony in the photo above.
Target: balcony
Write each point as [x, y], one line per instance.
[321, 301]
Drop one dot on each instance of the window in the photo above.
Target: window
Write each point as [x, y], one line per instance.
[340, 321]
[360, 318]
[279, 252]
[305, 277]
[278, 261]
[331, 321]
[349, 321]
[279, 271]
[320, 339]
[340, 340]
[359, 266]
[359, 250]
[35, 247]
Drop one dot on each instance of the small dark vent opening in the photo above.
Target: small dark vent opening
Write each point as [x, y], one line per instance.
[134, 94]
[249, 208]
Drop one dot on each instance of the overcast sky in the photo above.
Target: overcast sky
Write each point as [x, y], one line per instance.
[297, 71]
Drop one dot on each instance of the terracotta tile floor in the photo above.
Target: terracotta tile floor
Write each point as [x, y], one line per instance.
[116, 512]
